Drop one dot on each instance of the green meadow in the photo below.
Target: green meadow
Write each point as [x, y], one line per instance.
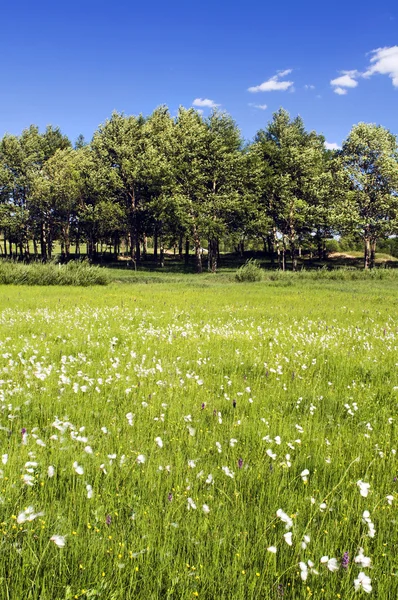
[203, 439]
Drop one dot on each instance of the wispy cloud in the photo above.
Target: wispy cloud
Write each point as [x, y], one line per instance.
[274, 84]
[205, 102]
[347, 80]
[332, 146]
[385, 62]
[260, 106]
[309, 87]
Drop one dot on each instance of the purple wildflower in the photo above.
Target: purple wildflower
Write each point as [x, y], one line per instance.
[234, 403]
[170, 497]
[240, 463]
[108, 519]
[345, 560]
[23, 430]
[203, 405]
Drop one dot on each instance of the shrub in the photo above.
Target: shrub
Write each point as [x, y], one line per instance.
[250, 271]
[79, 273]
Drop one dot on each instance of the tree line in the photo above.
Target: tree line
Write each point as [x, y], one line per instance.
[190, 182]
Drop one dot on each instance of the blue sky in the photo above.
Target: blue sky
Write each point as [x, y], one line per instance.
[72, 63]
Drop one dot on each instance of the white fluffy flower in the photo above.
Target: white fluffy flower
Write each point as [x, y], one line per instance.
[288, 538]
[59, 540]
[363, 582]
[363, 488]
[284, 518]
[191, 504]
[78, 468]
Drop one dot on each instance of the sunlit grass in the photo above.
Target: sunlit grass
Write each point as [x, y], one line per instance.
[159, 429]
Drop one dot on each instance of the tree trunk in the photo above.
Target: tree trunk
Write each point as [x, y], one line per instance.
[144, 246]
[366, 257]
[161, 255]
[186, 251]
[198, 253]
[293, 252]
[283, 254]
[372, 254]
[155, 243]
[43, 244]
[180, 247]
[212, 255]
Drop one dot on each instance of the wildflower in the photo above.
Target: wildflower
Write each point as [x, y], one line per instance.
[363, 582]
[28, 480]
[89, 491]
[88, 450]
[170, 497]
[284, 518]
[219, 448]
[232, 442]
[363, 561]
[303, 571]
[240, 463]
[4, 459]
[191, 504]
[79, 469]
[389, 499]
[59, 540]
[345, 560]
[50, 471]
[141, 459]
[209, 479]
[333, 565]
[130, 418]
[192, 431]
[271, 454]
[191, 464]
[228, 473]
[272, 549]
[203, 405]
[159, 442]
[288, 538]
[108, 519]
[363, 488]
[205, 509]
[304, 474]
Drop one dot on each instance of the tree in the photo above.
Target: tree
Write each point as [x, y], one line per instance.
[370, 207]
[118, 145]
[295, 158]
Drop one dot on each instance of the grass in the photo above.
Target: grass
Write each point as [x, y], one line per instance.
[72, 273]
[302, 377]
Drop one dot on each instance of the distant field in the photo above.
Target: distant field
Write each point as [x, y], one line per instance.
[200, 438]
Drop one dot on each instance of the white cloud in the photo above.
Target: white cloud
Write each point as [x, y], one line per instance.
[347, 79]
[206, 102]
[274, 84]
[332, 146]
[385, 62]
[260, 106]
[309, 87]
[284, 73]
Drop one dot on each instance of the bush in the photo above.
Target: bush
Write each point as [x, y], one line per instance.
[79, 273]
[250, 271]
